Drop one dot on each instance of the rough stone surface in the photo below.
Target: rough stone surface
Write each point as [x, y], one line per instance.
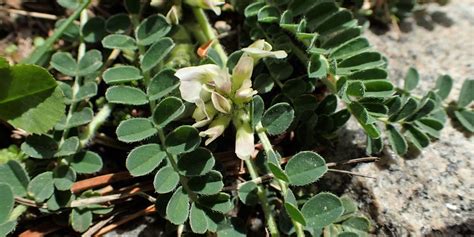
[431, 193]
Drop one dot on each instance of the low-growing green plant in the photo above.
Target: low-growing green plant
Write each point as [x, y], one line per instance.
[304, 69]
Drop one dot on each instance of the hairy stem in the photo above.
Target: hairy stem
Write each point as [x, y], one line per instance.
[95, 124]
[208, 32]
[262, 195]
[267, 146]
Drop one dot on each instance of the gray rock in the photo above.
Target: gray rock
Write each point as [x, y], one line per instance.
[433, 193]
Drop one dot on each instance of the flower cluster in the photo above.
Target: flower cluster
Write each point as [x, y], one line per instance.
[220, 97]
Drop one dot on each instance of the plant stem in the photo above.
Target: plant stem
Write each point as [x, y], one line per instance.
[77, 81]
[209, 32]
[261, 193]
[267, 146]
[95, 124]
[172, 159]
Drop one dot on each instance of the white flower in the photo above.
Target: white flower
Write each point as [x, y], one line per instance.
[216, 128]
[193, 79]
[262, 49]
[244, 141]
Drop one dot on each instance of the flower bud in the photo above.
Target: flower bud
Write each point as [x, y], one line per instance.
[216, 129]
[244, 141]
[262, 49]
[242, 72]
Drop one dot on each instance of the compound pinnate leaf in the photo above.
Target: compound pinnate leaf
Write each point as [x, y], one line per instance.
[41, 187]
[183, 139]
[166, 179]
[278, 118]
[77, 119]
[294, 213]
[167, 110]
[87, 162]
[322, 210]
[69, 147]
[466, 96]
[196, 163]
[197, 219]
[39, 146]
[208, 184]
[30, 98]
[15, 176]
[80, 219]
[6, 202]
[177, 210]
[443, 86]
[152, 29]
[126, 95]
[120, 74]
[135, 129]
[466, 118]
[63, 177]
[144, 159]
[118, 41]
[411, 79]
[162, 84]
[398, 143]
[305, 167]
[156, 53]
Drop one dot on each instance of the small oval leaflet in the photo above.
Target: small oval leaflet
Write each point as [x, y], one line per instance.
[305, 167]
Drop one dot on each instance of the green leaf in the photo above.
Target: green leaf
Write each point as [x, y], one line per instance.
[15, 176]
[328, 105]
[118, 41]
[126, 95]
[162, 84]
[135, 129]
[398, 143]
[156, 53]
[80, 219]
[318, 66]
[430, 126]
[196, 163]
[87, 162]
[252, 9]
[94, 30]
[59, 199]
[89, 63]
[166, 179]
[144, 159]
[232, 227]
[63, 177]
[258, 107]
[416, 137]
[405, 111]
[208, 184]
[197, 219]
[183, 139]
[132, 6]
[350, 206]
[466, 118]
[268, 14]
[64, 63]
[69, 147]
[443, 86]
[263, 83]
[77, 119]
[294, 88]
[7, 227]
[248, 193]
[466, 96]
[29, 98]
[378, 88]
[305, 167]
[278, 118]
[120, 74]
[152, 29]
[294, 213]
[278, 172]
[41, 187]
[118, 23]
[39, 146]
[6, 202]
[86, 91]
[167, 110]
[411, 79]
[322, 210]
[177, 210]
[424, 109]
[219, 203]
[374, 145]
[359, 112]
[372, 130]
[357, 224]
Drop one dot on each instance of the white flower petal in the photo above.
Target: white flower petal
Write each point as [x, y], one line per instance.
[190, 91]
[216, 129]
[244, 142]
[242, 72]
[221, 103]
